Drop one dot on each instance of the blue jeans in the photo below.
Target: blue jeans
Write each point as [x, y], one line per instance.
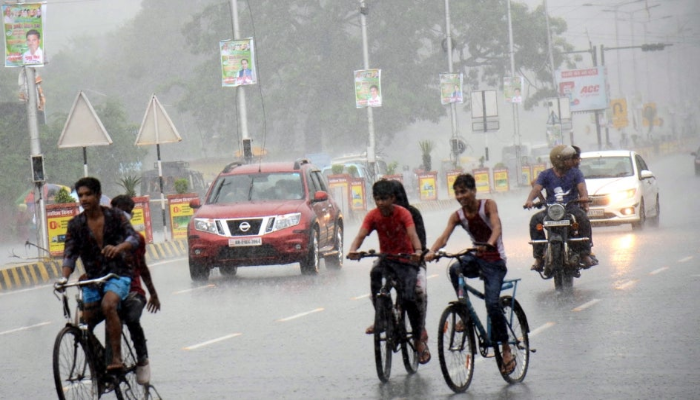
[492, 273]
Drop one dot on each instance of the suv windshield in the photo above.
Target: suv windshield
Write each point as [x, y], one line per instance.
[252, 187]
[606, 167]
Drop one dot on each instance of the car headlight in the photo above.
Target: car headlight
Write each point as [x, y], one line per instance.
[285, 221]
[623, 195]
[556, 212]
[206, 225]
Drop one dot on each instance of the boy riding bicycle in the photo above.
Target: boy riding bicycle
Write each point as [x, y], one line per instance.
[397, 235]
[479, 217]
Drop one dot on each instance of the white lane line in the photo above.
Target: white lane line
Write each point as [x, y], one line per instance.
[300, 315]
[586, 305]
[626, 284]
[24, 328]
[685, 259]
[362, 296]
[207, 343]
[433, 276]
[211, 285]
[541, 328]
[26, 290]
[168, 261]
[656, 271]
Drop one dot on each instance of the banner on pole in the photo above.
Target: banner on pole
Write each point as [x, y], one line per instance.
[23, 27]
[368, 88]
[237, 62]
[451, 90]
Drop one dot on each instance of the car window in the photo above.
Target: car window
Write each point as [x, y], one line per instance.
[256, 187]
[313, 185]
[606, 167]
[641, 165]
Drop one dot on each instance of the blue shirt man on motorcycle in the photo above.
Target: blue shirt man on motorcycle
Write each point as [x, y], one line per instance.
[562, 183]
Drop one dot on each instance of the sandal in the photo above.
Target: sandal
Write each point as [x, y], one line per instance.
[116, 368]
[424, 356]
[459, 326]
[509, 367]
[370, 330]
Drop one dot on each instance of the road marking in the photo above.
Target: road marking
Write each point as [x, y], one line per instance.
[24, 328]
[300, 315]
[433, 276]
[362, 296]
[541, 328]
[25, 290]
[207, 343]
[626, 284]
[155, 264]
[656, 271]
[685, 259]
[211, 285]
[586, 305]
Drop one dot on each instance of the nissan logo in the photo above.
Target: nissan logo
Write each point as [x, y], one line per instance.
[244, 226]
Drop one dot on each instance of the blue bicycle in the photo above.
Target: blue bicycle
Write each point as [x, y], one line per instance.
[460, 327]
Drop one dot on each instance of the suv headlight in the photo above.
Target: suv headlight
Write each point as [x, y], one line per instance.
[206, 225]
[285, 221]
[623, 195]
[555, 212]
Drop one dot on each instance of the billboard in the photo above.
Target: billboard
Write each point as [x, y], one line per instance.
[23, 26]
[586, 89]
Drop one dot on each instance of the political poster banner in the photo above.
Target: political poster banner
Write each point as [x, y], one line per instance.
[57, 217]
[586, 89]
[451, 90]
[513, 89]
[23, 25]
[368, 88]
[180, 213]
[237, 62]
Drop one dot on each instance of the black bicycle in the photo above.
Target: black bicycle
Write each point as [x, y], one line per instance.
[459, 324]
[392, 329]
[79, 359]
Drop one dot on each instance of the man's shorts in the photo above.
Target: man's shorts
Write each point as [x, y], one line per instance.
[120, 286]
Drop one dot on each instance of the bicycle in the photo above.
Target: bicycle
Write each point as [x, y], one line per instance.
[460, 322]
[79, 365]
[392, 330]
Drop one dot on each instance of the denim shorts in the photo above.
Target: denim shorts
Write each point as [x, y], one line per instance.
[120, 286]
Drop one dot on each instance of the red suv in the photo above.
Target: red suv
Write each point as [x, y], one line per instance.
[265, 214]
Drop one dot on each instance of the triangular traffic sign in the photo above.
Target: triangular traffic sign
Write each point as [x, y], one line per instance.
[156, 128]
[83, 127]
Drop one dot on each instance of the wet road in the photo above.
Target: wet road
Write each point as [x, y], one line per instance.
[627, 331]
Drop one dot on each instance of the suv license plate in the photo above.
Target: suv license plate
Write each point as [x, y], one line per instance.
[256, 241]
[564, 222]
[596, 212]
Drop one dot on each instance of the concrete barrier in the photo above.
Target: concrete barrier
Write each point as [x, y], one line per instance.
[18, 276]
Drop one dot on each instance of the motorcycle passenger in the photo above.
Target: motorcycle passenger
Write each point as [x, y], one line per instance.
[565, 183]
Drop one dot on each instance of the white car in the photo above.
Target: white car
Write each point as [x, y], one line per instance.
[621, 187]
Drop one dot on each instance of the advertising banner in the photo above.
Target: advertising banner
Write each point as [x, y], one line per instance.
[587, 89]
[141, 217]
[180, 213]
[537, 168]
[237, 62]
[451, 90]
[57, 217]
[23, 25]
[526, 175]
[368, 88]
[483, 181]
[500, 180]
[339, 185]
[359, 198]
[451, 177]
[619, 113]
[427, 184]
[513, 88]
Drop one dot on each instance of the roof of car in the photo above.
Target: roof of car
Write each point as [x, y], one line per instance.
[607, 153]
[265, 167]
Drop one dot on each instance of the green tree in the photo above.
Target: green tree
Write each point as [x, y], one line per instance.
[426, 147]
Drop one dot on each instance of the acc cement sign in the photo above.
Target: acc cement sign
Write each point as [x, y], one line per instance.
[587, 89]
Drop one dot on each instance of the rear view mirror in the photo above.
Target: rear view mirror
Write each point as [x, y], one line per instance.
[195, 203]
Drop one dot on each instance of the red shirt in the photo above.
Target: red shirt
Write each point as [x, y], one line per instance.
[392, 230]
[139, 263]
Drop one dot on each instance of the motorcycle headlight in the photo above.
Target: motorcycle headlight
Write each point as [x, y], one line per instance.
[555, 212]
[285, 221]
[623, 195]
[206, 225]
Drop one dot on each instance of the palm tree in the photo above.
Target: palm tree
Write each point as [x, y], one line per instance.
[426, 147]
[129, 184]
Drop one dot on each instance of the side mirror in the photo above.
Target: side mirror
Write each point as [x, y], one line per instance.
[195, 203]
[646, 174]
[320, 196]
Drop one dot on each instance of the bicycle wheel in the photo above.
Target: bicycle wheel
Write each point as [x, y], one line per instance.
[383, 337]
[73, 370]
[518, 340]
[129, 387]
[456, 347]
[408, 348]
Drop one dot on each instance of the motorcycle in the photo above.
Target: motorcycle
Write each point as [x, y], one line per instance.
[561, 262]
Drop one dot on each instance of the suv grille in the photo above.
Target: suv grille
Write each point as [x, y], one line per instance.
[244, 227]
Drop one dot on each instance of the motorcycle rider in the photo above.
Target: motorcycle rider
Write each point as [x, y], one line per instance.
[566, 183]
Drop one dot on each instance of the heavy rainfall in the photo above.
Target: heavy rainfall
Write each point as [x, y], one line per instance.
[416, 91]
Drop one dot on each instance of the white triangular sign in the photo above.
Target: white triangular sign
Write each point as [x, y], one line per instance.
[156, 128]
[83, 127]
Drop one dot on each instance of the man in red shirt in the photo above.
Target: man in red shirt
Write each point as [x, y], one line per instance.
[397, 235]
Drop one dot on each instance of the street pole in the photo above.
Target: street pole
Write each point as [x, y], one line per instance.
[35, 149]
[364, 10]
[617, 54]
[242, 111]
[551, 65]
[597, 112]
[453, 106]
[516, 122]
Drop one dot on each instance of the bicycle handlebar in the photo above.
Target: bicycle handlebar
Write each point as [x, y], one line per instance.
[443, 254]
[59, 286]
